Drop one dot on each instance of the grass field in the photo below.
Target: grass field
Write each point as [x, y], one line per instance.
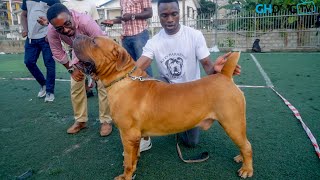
[33, 133]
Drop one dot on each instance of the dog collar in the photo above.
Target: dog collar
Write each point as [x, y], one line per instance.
[119, 79]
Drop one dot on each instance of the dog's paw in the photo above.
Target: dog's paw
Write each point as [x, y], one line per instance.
[121, 177]
[245, 172]
[238, 159]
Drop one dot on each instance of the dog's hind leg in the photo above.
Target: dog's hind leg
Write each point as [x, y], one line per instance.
[236, 130]
[131, 141]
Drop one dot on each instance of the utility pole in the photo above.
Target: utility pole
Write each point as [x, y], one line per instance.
[11, 13]
[215, 24]
[183, 12]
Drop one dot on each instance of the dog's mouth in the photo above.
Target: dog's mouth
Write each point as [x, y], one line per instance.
[85, 64]
[87, 67]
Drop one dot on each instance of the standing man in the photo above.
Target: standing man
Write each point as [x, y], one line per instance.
[64, 26]
[88, 7]
[36, 42]
[134, 24]
[178, 51]
[84, 6]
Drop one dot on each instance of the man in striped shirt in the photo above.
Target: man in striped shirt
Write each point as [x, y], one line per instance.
[134, 23]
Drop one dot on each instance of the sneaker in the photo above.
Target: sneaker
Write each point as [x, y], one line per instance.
[49, 97]
[42, 91]
[144, 145]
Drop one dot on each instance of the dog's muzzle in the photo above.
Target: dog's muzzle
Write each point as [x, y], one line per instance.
[87, 67]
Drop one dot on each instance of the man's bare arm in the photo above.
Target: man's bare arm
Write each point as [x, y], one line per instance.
[24, 23]
[143, 62]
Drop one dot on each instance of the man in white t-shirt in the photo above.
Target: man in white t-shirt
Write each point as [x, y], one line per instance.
[178, 50]
[88, 7]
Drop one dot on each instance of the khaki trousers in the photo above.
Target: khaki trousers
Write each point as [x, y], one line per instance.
[80, 103]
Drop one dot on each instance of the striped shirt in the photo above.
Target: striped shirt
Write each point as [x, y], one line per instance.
[134, 27]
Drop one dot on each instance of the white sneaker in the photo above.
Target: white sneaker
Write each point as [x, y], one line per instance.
[144, 145]
[42, 91]
[49, 97]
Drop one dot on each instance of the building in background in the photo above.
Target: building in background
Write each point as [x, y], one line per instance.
[10, 11]
[111, 8]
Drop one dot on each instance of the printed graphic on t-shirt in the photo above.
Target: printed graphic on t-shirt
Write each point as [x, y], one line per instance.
[174, 65]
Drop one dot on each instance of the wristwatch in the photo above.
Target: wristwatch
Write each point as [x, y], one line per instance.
[70, 70]
[133, 17]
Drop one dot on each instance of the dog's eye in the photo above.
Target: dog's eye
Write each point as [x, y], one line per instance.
[93, 41]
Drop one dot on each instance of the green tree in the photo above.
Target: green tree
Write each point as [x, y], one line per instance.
[206, 7]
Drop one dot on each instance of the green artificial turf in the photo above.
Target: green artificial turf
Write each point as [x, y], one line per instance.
[33, 133]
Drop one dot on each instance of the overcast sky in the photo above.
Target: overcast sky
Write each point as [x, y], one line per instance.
[99, 2]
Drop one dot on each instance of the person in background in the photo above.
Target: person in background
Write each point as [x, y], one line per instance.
[36, 42]
[134, 15]
[88, 7]
[64, 26]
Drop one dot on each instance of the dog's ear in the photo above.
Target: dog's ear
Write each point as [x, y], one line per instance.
[121, 57]
[167, 62]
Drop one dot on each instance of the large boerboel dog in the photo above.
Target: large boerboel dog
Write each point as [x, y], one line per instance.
[153, 108]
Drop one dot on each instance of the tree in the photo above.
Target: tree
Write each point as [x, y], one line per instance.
[206, 7]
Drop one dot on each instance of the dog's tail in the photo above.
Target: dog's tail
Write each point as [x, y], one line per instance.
[231, 64]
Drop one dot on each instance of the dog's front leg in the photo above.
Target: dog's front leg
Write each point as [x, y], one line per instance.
[131, 142]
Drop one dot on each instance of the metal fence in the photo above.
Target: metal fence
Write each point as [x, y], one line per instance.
[281, 31]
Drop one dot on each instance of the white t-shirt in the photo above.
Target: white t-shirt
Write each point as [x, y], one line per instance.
[83, 6]
[177, 56]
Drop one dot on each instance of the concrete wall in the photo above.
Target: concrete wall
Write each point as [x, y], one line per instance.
[269, 41]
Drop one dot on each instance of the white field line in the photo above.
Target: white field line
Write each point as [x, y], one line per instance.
[263, 73]
[291, 107]
[32, 79]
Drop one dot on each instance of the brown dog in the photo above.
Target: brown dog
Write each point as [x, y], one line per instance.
[153, 108]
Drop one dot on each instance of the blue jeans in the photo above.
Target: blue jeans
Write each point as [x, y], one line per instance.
[31, 55]
[134, 45]
[189, 138]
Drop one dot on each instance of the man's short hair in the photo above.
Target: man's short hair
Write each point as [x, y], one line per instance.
[167, 1]
[55, 10]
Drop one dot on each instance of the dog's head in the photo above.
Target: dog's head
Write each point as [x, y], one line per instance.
[174, 66]
[99, 55]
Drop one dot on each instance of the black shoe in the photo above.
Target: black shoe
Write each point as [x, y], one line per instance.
[90, 93]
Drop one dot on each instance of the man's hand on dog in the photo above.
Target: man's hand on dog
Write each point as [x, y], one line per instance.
[77, 75]
[221, 60]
